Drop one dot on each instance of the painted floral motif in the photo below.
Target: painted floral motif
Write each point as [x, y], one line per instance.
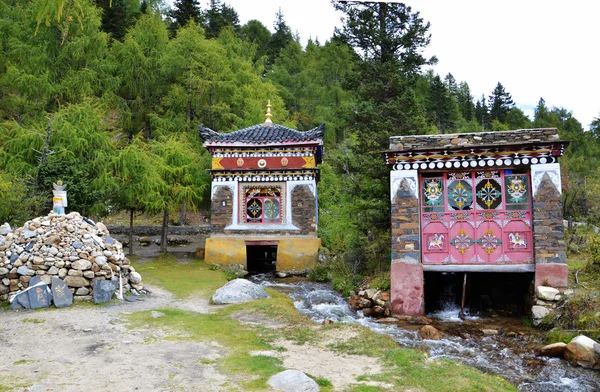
[461, 195]
[516, 188]
[488, 194]
[432, 190]
[489, 241]
[462, 242]
[254, 208]
[271, 210]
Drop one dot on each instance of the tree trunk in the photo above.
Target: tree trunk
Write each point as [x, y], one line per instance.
[131, 232]
[183, 213]
[163, 232]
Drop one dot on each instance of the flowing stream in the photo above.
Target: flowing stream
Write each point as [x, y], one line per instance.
[509, 357]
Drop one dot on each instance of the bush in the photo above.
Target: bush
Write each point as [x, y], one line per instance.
[319, 273]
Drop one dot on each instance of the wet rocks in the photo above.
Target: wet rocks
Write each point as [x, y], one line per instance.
[70, 247]
[580, 351]
[371, 302]
[430, 333]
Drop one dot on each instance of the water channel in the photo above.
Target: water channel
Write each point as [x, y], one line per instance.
[507, 355]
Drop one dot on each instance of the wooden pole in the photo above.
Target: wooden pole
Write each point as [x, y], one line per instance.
[461, 315]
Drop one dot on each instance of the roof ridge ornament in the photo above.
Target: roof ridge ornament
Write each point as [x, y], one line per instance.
[268, 115]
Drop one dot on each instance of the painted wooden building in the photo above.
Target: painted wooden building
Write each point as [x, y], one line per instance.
[468, 203]
[264, 196]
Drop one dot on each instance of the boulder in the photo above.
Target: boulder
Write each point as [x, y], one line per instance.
[539, 312]
[580, 351]
[555, 350]
[430, 333]
[293, 381]
[61, 295]
[546, 293]
[104, 290]
[237, 291]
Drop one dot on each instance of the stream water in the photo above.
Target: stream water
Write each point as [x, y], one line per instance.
[509, 357]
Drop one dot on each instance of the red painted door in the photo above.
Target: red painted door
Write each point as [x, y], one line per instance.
[475, 217]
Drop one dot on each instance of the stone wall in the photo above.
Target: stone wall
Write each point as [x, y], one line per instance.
[304, 210]
[221, 209]
[405, 226]
[474, 139]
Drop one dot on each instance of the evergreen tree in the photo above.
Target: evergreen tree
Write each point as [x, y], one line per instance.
[182, 12]
[500, 103]
[481, 112]
[118, 16]
[217, 17]
[442, 107]
[451, 85]
[542, 118]
[464, 100]
[256, 33]
[279, 39]
[595, 127]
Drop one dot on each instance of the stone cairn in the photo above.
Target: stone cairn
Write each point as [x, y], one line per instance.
[67, 250]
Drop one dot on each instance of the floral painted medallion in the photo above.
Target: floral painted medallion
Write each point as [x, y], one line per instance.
[462, 242]
[489, 241]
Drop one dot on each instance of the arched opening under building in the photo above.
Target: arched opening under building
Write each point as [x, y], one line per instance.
[504, 293]
[261, 257]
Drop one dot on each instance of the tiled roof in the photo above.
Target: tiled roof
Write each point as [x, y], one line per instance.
[262, 134]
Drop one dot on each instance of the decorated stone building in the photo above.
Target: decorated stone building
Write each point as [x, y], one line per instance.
[264, 196]
[483, 205]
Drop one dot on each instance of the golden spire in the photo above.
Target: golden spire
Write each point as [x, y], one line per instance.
[268, 115]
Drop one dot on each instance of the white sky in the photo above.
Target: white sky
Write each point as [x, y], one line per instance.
[535, 48]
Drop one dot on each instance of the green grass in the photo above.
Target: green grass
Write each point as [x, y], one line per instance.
[33, 320]
[402, 368]
[23, 362]
[12, 383]
[181, 278]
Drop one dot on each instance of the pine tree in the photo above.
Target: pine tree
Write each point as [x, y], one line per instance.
[118, 16]
[279, 39]
[217, 17]
[481, 113]
[256, 33]
[500, 103]
[182, 12]
[464, 100]
[441, 105]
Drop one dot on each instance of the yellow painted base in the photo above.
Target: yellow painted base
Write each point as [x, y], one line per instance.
[293, 253]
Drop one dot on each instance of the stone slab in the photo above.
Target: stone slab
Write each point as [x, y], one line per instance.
[40, 296]
[104, 290]
[61, 295]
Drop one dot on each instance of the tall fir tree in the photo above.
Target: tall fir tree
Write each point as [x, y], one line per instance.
[500, 103]
[217, 17]
[481, 112]
[182, 12]
[279, 39]
[464, 100]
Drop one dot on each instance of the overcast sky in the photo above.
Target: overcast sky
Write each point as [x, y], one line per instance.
[535, 48]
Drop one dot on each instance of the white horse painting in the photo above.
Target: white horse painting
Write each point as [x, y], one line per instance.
[516, 241]
[436, 241]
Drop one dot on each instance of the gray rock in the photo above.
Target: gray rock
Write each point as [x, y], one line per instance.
[104, 290]
[29, 246]
[293, 381]
[16, 305]
[35, 280]
[81, 264]
[40, 296]
[82, 291]
[76, 281]
[61, 295]
[5, 229]
[110, 241]
[77, 245]
[546, 293]
[156, 314]
[101, 261]
[135, 278]
[13, 257]
[237, 291]
[29, 234]
[24, 270]
[23, 300]
[3, 271]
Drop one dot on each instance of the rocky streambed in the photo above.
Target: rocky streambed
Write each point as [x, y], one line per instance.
[497, 345]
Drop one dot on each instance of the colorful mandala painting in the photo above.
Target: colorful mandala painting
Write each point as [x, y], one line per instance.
[462, 242]
[432, 192]
[489, 241]
[460, 195]
[516, 188]
[272, 209]
[488, 194]
[254, 207]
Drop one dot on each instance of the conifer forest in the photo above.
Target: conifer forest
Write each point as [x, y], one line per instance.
[107, 96]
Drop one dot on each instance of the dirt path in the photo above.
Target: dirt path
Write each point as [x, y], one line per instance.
[89, 348]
